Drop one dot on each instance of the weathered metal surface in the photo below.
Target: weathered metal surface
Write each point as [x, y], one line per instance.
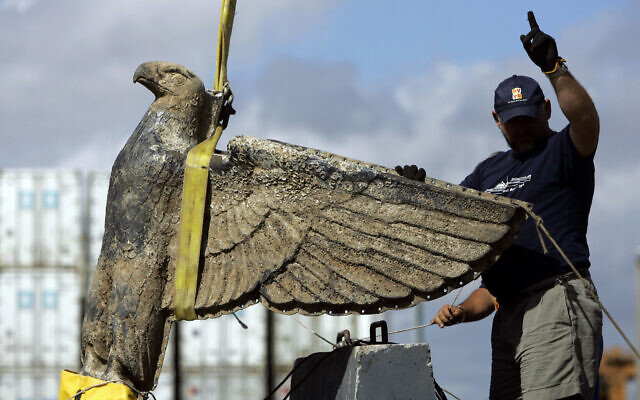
[299, 229]
[126, 328]
[312, 232]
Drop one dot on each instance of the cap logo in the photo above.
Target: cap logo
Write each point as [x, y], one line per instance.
[516, 93]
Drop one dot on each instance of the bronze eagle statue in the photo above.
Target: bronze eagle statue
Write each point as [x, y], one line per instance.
[299, 230]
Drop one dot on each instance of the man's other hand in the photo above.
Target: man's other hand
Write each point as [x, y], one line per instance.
[448, 315]
[540, 47]
[411, 172]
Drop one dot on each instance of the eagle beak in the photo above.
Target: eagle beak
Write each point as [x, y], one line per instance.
[147, 74]
[143, 72]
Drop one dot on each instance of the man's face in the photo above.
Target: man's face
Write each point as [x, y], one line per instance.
[524, 133]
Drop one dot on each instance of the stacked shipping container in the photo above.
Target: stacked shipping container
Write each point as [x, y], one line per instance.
[50, 240]
[41, 265]
[41, 219]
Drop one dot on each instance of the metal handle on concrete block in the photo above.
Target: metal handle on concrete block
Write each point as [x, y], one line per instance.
[385, 332]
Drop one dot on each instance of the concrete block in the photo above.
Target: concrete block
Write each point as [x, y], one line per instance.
[387, 371]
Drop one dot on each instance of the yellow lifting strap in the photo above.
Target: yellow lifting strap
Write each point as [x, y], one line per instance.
[76, 386]
[194, 189]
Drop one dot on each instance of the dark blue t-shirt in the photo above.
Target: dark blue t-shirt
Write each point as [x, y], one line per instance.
[559, 183]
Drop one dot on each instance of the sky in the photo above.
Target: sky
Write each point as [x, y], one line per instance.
[391, 83]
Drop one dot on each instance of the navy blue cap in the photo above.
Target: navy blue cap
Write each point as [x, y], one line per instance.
[517, 95]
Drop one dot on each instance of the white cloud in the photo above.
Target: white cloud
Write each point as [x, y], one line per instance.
[618, 189]
[66, 66]
[97, 154]
[21, 6]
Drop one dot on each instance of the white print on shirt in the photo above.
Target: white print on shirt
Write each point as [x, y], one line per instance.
[510, 185]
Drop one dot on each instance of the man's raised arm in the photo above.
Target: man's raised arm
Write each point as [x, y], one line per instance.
[574, 100]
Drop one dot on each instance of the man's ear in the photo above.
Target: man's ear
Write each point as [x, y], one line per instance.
[496, 118]
[547, 108]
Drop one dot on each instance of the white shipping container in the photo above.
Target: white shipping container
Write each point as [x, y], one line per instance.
[30, 385]
[164, 390]
[223, 342]
[40, 219]
[167, 362]
[98, 187]
[40, 323]
[234, 384]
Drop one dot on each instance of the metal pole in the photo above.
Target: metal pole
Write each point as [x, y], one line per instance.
[269, 355]
[177, 372]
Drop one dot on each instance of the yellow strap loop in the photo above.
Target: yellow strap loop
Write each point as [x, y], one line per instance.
[74, 385]
[194, 190]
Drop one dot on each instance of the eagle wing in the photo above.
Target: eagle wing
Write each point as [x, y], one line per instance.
[312, 232]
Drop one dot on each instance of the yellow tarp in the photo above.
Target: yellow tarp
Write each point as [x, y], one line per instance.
[71, 383]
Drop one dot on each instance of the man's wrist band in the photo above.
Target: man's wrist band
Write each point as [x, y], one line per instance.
[559, 69]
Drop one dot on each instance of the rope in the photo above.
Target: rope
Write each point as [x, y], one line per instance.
[413, 328]
[450, 394]
[457, 294]
[541, 227]
[408, 329]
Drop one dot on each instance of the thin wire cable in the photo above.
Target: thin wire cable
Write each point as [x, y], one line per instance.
[304, 360]
[453, 303]
[314, 332]
[408, 329]
[450, 394]
[457, 294]
[308, 373]
[413, 328]
[97, 385]
[539, 223]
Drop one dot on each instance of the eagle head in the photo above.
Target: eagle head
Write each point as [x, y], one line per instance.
[178, 91]
[165, 78]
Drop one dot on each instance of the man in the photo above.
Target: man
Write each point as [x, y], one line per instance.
[546, 336]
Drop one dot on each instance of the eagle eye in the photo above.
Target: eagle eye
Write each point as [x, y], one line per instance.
[176, 76]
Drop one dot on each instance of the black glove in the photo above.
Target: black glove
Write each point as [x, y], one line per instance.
[540, 47]
[411, 172]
